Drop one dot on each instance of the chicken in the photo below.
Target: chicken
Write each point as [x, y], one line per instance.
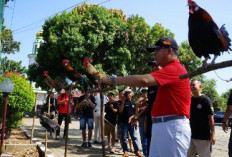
[92, 72]
[49, 124]
[73, 74]
[51, 83]
[205, 37]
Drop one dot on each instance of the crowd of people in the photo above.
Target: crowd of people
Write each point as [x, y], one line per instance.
[172, 116]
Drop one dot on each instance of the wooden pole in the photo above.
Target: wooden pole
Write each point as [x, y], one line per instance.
[101, 90]
[102, 124]
[67, 122]
[46, 133]
[3, 121]
[46, 143]
[33, 123]
[49, 104]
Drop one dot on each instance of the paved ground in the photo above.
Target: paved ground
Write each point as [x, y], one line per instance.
[74, 149]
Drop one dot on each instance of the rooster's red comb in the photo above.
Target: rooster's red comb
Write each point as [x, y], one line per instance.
[45, 72]
[190, 1]
[65, 61]
[85, 61]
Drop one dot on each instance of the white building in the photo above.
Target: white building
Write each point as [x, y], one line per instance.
[41, 95]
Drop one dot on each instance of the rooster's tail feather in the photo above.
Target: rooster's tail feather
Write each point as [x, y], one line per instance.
[226, 35]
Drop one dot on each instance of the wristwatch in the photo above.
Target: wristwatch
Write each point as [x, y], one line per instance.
[223, 122]
[113, 80]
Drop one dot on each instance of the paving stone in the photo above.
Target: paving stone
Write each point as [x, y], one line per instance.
[220, 149]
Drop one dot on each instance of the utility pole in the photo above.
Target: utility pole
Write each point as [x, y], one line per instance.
[2, 6]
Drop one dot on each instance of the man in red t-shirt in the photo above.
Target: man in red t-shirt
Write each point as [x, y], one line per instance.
[62, 101]
[171, 109]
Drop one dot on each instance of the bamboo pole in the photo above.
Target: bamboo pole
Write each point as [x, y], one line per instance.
[102, 124]
[46, 143]
[49, 103]
[101, 90]
[67, 122]
[33, 123]
[46, 132]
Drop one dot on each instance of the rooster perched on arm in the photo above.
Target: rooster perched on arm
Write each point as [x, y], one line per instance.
[204, 35]
[50, 82]
[73, 74]
[92, 72]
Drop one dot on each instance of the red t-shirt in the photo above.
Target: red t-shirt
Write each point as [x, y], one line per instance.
[63, 107]
[174, 95]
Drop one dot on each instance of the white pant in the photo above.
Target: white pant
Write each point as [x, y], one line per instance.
[97, 128]
[201, 147]
[170, 139]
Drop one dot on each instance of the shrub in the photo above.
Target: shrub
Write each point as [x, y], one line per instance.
[20, 100]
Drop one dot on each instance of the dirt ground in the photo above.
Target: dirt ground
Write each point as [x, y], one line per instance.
[18, 137]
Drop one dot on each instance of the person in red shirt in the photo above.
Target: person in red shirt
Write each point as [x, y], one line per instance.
[62, 101]
[171, 110]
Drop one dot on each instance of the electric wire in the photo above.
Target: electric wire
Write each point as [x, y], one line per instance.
[17, 31]
[12, 15]
[48, 17]
[220, 77]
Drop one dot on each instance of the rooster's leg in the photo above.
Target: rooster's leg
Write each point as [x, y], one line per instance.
[204, 62]
[215, 57]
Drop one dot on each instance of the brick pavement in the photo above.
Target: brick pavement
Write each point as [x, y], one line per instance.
[74, 149]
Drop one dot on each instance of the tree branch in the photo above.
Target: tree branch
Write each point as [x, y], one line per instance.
[204, 69]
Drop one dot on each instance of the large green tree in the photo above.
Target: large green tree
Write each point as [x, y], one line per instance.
[188, 58]
[9, 46]
[8, 66]
[210, 89]
[115, 42]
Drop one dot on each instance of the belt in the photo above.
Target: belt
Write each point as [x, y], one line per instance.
[167, 118]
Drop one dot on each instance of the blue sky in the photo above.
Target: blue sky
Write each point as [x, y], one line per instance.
[172, 14]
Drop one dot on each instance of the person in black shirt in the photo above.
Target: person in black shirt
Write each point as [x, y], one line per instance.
[201, 122]
[152, 91]
[224, 122]
[87, 104]
[118, 118]
[127, 109]
[141, 105]
[111, 109]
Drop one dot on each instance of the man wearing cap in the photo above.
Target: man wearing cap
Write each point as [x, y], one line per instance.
[87, 103]
[141, 105]
[126, 110]
[111, 110]
[97, 118]
[62, 101]
[152, 91]
[171, 109]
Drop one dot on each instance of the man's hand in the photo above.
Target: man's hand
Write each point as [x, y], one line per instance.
[104, 82]
[89, 101]
[224, 127]
[136, 125]
[213, 138]
[133, 119]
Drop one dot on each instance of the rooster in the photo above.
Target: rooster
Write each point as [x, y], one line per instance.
[49, 124]
[92, 72]
[204, 35]
[50, 82]
[73, 74]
